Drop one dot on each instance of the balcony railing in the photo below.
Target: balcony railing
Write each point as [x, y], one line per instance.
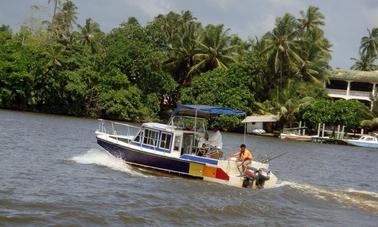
[366, 94]
[352, 94]
[336, 91]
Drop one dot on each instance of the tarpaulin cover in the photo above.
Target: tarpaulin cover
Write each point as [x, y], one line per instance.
[205, 111]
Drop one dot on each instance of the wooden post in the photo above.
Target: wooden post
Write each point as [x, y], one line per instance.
[319, 125]
[342, 132]
[338, 132]
[300, 124]
[323, 130]
[304, 128]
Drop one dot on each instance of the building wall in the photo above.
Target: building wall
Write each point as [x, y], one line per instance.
[254, 125]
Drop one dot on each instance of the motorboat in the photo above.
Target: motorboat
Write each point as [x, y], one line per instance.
[183, 146]
[363, 141]
[292, 136]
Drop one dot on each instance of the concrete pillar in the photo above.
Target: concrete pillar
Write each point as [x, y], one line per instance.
[373, 91]
[371, 105]
[348, 88]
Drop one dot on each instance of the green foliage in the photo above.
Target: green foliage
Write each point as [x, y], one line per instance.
[227, 88]
[222, 88]
[370, 124]
[293, 97]
[130, 50]
[341, 112]
[140, 73]
[124, 104]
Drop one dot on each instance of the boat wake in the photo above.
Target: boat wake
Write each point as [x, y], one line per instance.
[102, 158]
[365, 200]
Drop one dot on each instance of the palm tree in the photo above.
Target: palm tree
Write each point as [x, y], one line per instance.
[64, 19]
[88, 32]
[315, 52]
[364, 63]
[56, 4]
[311, 19]
[69, 12]
[214, 49]
[369, 43]
[288, 104]
[54, 56]
[183, 51]
[281, 47]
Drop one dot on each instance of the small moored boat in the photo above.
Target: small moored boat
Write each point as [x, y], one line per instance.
[292, 136]
[363, 141]
[183, 146]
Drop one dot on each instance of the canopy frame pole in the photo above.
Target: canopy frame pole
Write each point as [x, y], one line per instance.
[245, 132]
[195, 130]
[195, 121]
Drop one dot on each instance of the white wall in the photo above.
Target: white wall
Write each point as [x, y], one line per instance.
[252, 126]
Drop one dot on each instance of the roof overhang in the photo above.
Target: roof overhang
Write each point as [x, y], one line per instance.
[353, 75]
[261, 118]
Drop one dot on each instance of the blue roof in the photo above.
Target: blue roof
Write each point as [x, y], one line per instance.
[205, 111]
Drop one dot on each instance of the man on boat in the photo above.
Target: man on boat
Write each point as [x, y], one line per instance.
[245, 158]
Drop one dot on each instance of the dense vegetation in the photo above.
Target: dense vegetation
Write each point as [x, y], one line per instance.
[140, 72]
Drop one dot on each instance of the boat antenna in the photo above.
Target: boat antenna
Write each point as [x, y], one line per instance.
[245, 132]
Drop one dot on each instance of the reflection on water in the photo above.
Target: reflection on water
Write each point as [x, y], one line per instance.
[53, 173]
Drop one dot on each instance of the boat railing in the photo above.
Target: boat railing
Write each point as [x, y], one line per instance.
[207, 150]
[117, 130]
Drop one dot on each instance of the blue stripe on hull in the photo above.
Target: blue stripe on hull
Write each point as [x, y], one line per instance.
[144, 158]
[199, 159]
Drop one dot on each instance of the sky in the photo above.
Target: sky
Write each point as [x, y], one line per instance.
[346, 21]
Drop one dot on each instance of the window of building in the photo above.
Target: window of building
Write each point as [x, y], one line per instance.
[359, 86]
[337, 84]
[150, 137]
[165, 140]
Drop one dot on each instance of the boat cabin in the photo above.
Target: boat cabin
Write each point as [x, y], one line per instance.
[367, 138]
[181, 136]
[185, 134]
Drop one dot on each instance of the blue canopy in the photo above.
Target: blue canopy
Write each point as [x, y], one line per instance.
[205, 111]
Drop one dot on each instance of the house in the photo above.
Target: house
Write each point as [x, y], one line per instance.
[355, 85]
[258, 122]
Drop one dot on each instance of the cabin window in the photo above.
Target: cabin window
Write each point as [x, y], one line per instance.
[177, 143]
[137, 138]
[165, 140]
[150, 137]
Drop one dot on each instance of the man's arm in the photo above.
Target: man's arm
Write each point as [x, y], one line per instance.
[234, 155]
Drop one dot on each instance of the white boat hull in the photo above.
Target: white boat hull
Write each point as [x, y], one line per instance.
[295, 137]
[362, 143]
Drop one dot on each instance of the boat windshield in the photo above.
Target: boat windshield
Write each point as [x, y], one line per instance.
[189, 123]
[368, 138]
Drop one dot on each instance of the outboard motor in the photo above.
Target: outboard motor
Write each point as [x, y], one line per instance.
[249, 177]
[261, 176]
[252, 174]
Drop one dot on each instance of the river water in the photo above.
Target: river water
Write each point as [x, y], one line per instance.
[52, 172]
